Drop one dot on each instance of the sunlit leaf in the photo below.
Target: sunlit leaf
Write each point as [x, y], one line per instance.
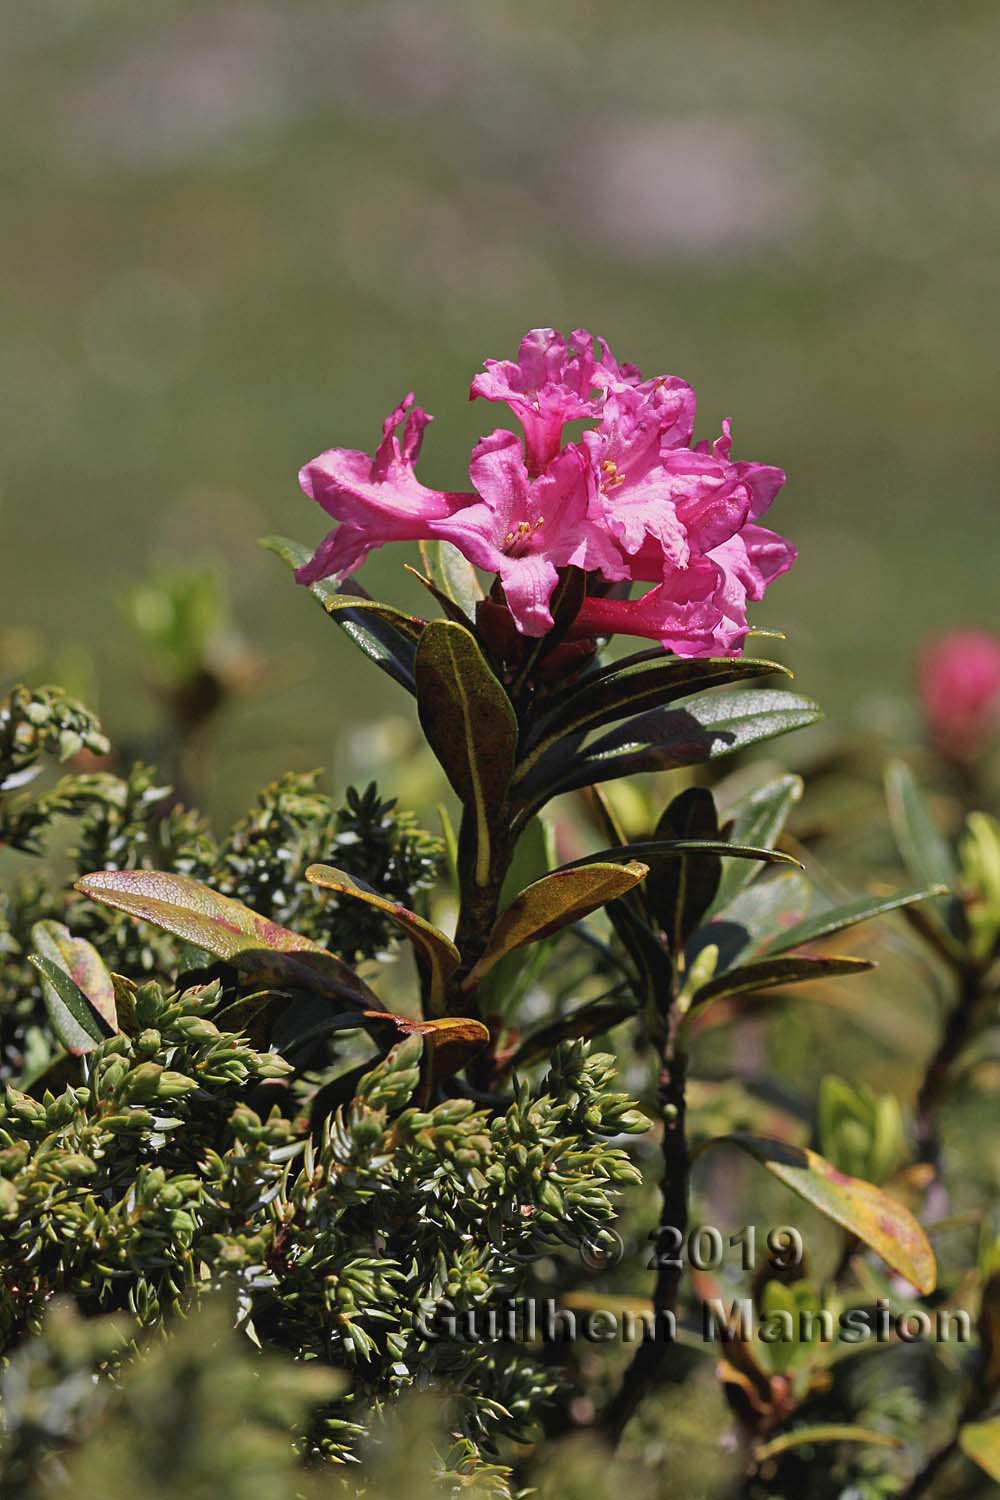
[980, 1441]
[875, 1218]
[554, 902]
[437, 956]
[387, 635]
[253, 944]
[78, 991]
[469, 724]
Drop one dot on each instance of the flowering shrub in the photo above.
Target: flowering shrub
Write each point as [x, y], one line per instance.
[230, 1111]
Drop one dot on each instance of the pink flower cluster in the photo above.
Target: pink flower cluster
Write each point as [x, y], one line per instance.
[633, 500]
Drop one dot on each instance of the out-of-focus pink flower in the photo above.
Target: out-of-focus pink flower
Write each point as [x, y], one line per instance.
[632, 501]
[959, 681]
[376, 500]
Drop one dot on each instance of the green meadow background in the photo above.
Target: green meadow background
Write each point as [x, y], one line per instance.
[237, 233]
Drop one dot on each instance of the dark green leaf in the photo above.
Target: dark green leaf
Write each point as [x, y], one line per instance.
[757, 819]
[838, 918]
[770, 974]
[469, 723]
[696, 730]
[387, 635]
[680, 891]
[629, 688]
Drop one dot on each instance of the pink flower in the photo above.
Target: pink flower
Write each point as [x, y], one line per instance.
[525, 529]
[959, 681]
[699, 610]
[634, 501]
[376, 500]
[552, 382]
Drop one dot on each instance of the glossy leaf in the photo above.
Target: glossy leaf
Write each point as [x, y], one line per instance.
[771, 974]
[680, 891]
[253, 944]
[878, 1220]
[469, 723]
[695, 730]
[554, 902]
[387, 635]
[77, 989]
[757, 819]
[823, 924]
[437, 956]
[656, 851]
[980, 1442]
[760, 913]
[628, 688]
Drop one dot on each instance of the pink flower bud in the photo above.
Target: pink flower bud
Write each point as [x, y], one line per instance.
[959, 681]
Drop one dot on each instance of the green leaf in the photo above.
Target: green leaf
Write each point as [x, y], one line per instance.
[657, 851]
[253, 944]
[980, 1441]
[631, 687]
[437, 956]
[923, 849]
[756, 819]
[533, 857]
[554, 902]
[823, 924]
[695, 730]
[823, 1432]
[469, 723]
[387, 635]
[78, 991]
[680, 891]
[875, 1218]
[453, 575]
[772, 974]
[759, 914]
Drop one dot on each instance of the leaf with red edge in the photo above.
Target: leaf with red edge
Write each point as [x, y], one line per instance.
[867, 1212]
[554, 902]
[253, 944]
[78, 990]
[437, 956]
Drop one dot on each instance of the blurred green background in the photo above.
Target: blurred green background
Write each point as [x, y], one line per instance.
[237, 233]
